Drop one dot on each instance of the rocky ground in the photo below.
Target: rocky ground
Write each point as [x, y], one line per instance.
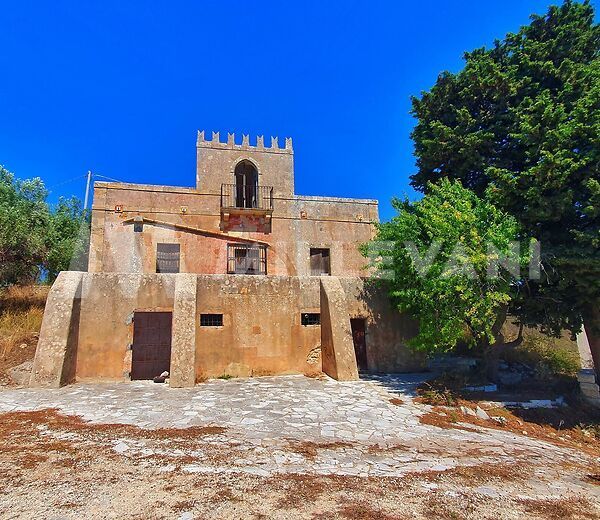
[285, 447]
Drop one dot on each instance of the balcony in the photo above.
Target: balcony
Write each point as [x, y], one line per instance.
[246, 200]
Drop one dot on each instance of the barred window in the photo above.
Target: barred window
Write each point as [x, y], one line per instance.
[211, 320]
[311, 318]
[246, 259]
[167, 258]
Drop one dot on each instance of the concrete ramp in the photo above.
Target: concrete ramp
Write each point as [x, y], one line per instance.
[337, 346]
[56, 353]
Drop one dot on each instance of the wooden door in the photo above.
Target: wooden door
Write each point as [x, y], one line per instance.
[151, 354]
[358, 326]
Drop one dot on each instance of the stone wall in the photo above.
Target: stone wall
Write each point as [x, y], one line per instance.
[108, 303]
[297, 224]
[262, 330]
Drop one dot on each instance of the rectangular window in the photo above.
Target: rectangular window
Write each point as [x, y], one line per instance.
[246, 259]
[211, 320]
[167, 258]
[319, 261]
[311, 318]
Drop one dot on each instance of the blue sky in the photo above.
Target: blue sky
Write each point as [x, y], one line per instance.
[121, 87]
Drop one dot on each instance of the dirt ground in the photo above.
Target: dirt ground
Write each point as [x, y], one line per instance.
[55, 466]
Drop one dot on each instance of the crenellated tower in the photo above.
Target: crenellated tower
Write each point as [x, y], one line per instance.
[220, 163]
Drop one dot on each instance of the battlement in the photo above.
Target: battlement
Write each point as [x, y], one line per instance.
[230, 144]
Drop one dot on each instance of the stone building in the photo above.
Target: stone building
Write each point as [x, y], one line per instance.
[237, 276]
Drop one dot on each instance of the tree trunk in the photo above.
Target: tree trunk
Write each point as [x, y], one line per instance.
[591, 320]
[492, 353]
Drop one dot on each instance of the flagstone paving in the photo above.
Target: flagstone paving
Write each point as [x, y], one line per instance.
[360, 430]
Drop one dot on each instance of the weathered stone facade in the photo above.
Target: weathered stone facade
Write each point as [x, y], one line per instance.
[259, 280]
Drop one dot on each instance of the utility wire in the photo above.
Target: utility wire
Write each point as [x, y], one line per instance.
[65, 182]
[105, 177]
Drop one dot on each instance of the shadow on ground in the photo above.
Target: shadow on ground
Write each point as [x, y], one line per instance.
[401, 384]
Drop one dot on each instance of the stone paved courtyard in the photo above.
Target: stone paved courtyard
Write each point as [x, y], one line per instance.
[264, 416]
[272, 447]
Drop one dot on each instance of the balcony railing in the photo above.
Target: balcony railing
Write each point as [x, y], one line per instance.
[240, 196]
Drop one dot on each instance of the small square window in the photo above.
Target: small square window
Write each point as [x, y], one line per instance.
[211, 320]
[311, 318]
[167, 258]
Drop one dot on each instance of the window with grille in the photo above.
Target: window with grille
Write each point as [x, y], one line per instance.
[246, 259]
[319, 261]
[167, 258]
[311, 318]
[211, 320]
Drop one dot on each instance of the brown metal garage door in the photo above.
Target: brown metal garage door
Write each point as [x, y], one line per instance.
[151, 344]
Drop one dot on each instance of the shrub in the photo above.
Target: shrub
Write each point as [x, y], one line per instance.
[549, 356]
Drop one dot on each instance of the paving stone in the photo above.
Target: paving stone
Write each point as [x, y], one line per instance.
[263, 415]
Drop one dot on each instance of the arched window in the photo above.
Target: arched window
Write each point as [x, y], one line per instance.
[246, 185]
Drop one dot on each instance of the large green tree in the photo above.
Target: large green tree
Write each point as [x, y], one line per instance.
[67, 238]
[520, 126]
[36, 240]
[24, 218]
[444, 259]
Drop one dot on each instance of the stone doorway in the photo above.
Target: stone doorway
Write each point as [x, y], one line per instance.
[151, 351]
[359, 326]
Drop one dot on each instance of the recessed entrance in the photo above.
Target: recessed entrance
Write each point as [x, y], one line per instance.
[151, 355]
[359, 326]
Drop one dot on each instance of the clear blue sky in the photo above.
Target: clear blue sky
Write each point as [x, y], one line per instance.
[121, 87]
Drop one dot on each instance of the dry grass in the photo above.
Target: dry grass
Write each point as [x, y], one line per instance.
[558, 426]
[364, 511]
[475, 475]
[298, 490]
[310, 450]
[262, 372]
[560, 509]
[21, 313]
[13, 424]
[224, 494]
[443, 419]
[201, 378]
[59, 422]
[24, 440]
[447, 508]
[315, 374]
[23, 296]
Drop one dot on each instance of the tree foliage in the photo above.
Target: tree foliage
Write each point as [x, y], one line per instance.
[35, 239]
[438, 256]
[520, 126]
